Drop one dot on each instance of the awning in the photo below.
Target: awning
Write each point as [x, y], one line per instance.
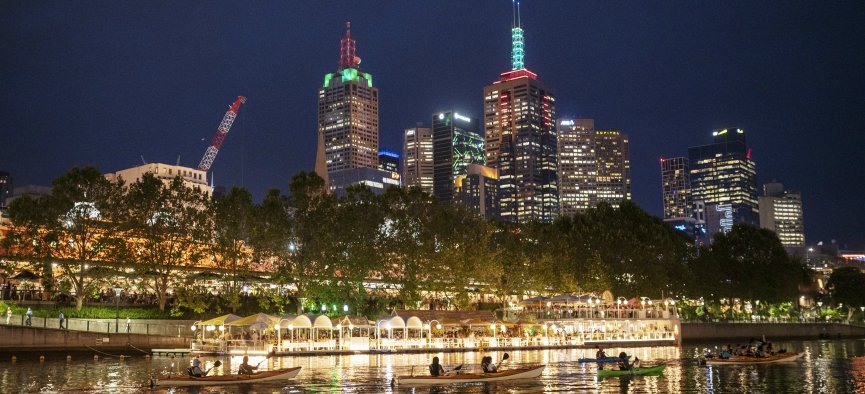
[218, 321]
[258, 321]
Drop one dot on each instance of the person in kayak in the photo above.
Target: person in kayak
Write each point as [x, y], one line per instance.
[195, 370]
[436, 369]
[624, 365]
[245, 368]
[599, 356]
[488, 366]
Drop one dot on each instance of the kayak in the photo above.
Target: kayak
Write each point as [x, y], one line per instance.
[602, 360]
[279, 374]
[778, 358]
[604, 373]
[510, 374]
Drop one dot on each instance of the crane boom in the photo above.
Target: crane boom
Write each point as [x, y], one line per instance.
[221, 132]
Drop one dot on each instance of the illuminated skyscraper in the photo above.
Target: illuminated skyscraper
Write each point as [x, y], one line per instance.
[724, 177]
[612, 151]
[781, 212]
[578, 167]
[456, 144]
[520, 135]
[347, 116]
[594, 166]
[418, 158]
[676, 186]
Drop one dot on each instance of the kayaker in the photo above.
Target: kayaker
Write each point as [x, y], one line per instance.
[624, 365]
[245, 368]
[600, 356]
[436, 369]
[195, 370]
[488, 366]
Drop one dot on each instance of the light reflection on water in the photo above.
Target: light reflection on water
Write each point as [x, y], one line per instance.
[827, 366]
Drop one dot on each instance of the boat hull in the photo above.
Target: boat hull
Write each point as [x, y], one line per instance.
[511, 374]
[185, 381]
[787, 357]
[605, 373]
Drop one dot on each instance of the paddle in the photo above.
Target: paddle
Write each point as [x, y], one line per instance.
[269, 355]
[216, 364]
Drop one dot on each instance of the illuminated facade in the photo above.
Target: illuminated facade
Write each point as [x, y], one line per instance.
[347, 116]
[192, 177]
[724, 177]
[418, 158]
[388, 160]
[594, 166]
[456, 144]
[781, 212]
[520, 136]
[477, 190]
[676, 187]
[612, 152]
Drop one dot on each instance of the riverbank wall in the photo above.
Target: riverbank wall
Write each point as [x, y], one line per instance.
[31, 338]
[696, 332]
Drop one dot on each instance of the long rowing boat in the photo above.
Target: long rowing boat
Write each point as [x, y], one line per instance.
[778, 358]
[604, 373]
[279, 374]
[510, 374]
[602, 360]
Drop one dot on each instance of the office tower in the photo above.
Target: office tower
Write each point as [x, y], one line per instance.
[781, 212]
[477, 190]
[676, 187]
[418, 158]
[5, 187]
[347, 115]
[456, 144]
[578, 169]
[594, 165]
[388, 160]
[614, 167]
[723, 176]
[520, 135]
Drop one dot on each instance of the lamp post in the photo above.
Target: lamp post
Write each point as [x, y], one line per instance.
[117, 309]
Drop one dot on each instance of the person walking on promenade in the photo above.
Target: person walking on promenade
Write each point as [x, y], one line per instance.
[128, 325]
[29, 317]
[8, 314]
[62, 319]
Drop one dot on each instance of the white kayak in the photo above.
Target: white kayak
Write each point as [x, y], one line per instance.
[279, 374]
[738, 360]
[510, 374]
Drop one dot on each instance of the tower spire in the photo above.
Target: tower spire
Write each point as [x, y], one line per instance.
[347, 49]
[517, 50]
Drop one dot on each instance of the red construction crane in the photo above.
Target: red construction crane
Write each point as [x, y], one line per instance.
[221, 132]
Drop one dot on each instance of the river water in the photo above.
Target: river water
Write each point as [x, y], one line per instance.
[831, 366]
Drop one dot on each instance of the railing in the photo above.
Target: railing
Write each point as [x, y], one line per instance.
[101, 325]
[596, 313]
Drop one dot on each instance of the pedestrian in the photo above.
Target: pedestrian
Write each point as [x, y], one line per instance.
[128, 325]
[62, 319]
[29, 316]
[8, 314]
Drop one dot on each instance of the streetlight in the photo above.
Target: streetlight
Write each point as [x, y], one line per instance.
[117, 309]
[345, 308]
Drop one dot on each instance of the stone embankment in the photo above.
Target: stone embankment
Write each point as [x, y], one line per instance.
[744, 331]
[34, 338]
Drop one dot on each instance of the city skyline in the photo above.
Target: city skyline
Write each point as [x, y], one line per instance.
[142, 93]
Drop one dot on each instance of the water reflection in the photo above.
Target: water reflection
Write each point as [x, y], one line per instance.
[827, 366]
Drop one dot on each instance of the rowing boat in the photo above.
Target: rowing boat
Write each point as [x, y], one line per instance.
[657, 369]
[778, 358]
[279, 374]
[602, 360]
[510, 374]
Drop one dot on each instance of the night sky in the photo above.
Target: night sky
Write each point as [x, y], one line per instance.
[103, 83]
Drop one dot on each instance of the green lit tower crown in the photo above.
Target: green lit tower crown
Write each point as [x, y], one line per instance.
[347, 115]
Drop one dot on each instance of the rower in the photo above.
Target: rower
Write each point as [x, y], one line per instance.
[245, 368]
[195, 370]
[436, 369]
[600, 356]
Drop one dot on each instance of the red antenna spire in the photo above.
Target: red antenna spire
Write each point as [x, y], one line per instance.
[347, 48]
